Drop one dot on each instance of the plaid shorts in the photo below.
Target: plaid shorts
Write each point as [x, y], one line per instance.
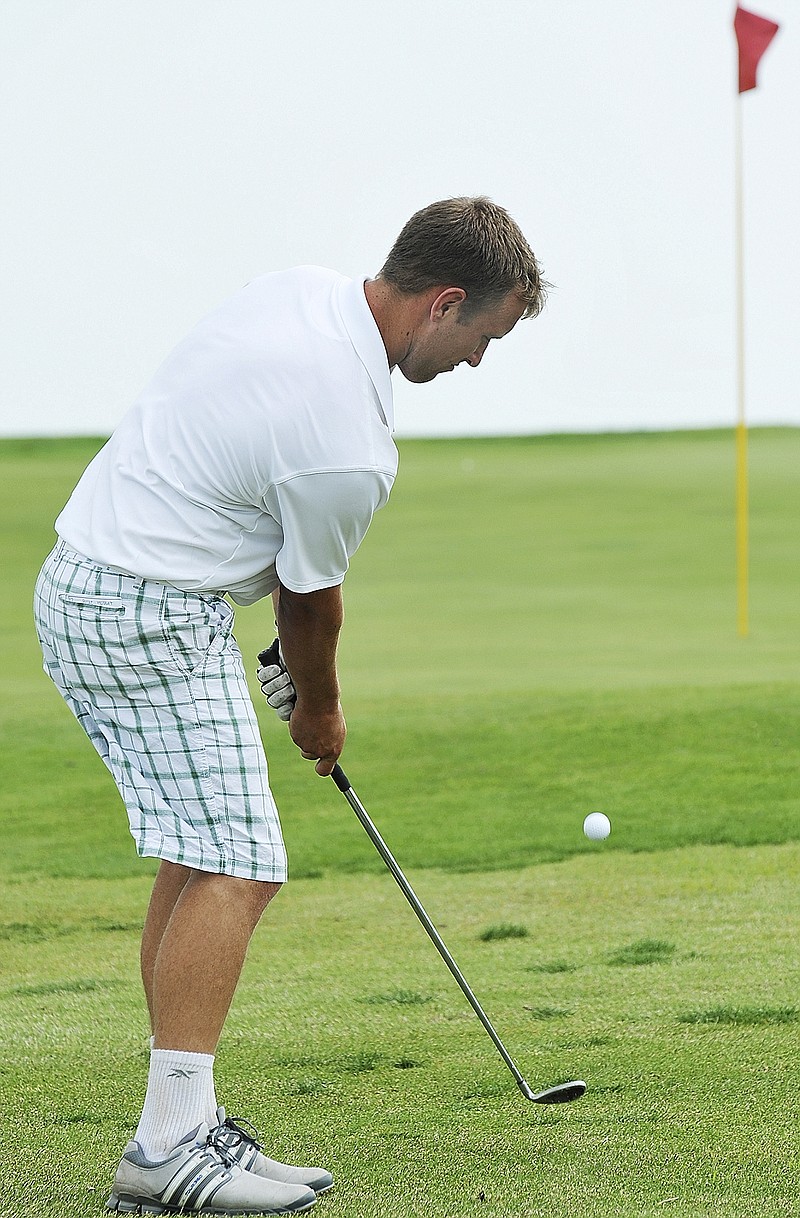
[156, 679]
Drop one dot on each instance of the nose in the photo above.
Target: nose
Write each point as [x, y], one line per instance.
[478, 354]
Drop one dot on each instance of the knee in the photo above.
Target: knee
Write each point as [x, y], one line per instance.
[264, 891]
[255, 897]
[251, 897]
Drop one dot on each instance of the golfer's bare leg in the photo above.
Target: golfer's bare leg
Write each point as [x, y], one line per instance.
[166, 890]
[200, 958]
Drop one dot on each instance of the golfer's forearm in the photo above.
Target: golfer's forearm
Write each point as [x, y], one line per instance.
[308, 626]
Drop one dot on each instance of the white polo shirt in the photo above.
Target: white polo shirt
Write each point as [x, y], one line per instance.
[259, 451]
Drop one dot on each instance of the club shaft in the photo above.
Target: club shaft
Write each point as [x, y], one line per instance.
[345, 787]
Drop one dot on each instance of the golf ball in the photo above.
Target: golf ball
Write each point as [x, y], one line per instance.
[597, 826]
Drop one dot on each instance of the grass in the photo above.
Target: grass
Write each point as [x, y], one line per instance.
[535, 629]
[406, 1099]
[643, 951]
[743, 1017]
[504, 930]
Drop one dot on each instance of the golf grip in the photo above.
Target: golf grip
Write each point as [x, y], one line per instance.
[343, 783]
[272, 655]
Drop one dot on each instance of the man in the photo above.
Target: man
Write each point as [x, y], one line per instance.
[250, 465]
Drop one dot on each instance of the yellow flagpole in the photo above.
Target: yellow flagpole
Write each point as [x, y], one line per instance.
[742, 511]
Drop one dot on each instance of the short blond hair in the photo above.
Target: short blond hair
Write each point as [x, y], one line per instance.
[470, 243]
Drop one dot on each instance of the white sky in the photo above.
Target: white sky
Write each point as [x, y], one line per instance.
[160, 153]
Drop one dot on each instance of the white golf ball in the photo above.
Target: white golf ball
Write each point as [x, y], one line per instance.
[597, 826]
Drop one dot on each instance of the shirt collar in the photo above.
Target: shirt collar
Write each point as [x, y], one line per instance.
[366, 338]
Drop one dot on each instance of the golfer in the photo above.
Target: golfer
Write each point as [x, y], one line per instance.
[250, 466]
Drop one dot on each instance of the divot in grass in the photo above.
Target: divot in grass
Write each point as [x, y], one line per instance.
[43, 932]
[111, 927]
[402, 998]
[545, 1013]
[504, 930]
[643, 951]
[362, 1063]
[552, 966]
[310, 1087]
[76, 1118]
[87, 985]
[743, 1017]
[31, 932]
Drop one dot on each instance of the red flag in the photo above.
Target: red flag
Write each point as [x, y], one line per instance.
[753, 34]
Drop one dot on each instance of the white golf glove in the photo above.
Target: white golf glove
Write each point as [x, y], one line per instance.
[276, 684]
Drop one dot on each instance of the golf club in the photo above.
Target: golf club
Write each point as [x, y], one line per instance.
[562, 1093]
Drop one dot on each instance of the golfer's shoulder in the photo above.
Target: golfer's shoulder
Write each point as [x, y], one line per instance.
[290, 313]
[294, 295]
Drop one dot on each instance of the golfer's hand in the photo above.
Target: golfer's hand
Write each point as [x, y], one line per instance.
[276, 686]
[319, 736]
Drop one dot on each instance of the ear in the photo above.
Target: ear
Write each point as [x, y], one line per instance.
[447, 300]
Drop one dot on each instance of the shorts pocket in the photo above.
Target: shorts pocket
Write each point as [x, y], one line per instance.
[197, 637]
[105, 642]
[75, 603]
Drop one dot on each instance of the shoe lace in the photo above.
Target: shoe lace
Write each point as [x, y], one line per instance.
[218, 1141]
[241, 1130]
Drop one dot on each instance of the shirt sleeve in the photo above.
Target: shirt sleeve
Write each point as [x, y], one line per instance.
[324, 517]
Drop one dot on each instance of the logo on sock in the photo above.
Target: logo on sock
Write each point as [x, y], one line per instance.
[181, 1073]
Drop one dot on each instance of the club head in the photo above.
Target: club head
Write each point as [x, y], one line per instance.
[563, 1093]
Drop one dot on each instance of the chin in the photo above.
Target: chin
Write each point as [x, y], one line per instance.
[418, 376]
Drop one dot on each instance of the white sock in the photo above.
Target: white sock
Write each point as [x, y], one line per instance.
[180, 1096]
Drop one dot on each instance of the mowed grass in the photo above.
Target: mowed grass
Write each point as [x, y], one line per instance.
[535, 629]
[349, 1043]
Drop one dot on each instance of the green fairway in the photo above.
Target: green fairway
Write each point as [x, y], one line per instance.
[535, 629]
[349, 1043]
